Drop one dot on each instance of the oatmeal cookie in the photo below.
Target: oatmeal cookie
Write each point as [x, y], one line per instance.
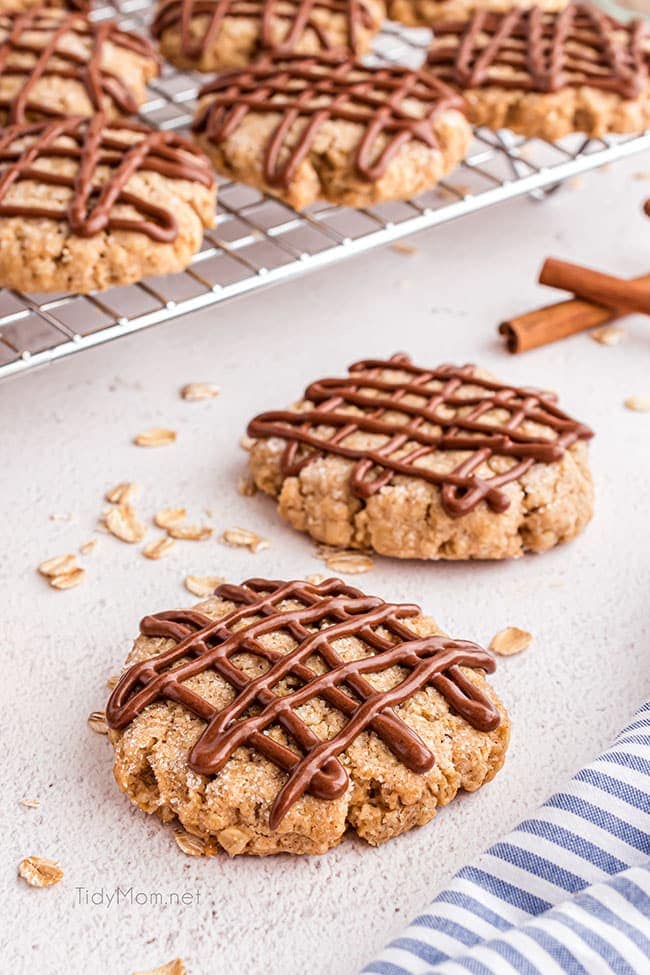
[54, 63]
[275, 715]
[548, 74]
[209, 35]
[88, 203]
[429, 13]
[444, 463]
[312, 128]
[21, 5]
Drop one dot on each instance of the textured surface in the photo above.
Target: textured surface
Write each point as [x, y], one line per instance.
[157, 196]
[542, 51]
[57, 63]
[28, 4]
[553, 116]
[337, 489]
[67, 431]
[548, 74]
[211, 36]
[416, 13]
[160, 747]
[328, 128]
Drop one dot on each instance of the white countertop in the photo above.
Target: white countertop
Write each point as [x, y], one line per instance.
[66, 437]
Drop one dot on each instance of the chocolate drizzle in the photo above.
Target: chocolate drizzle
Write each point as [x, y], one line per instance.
[308, 92]
[298, 19]
[33, 154]
[442, 418]
[544, 52]
[37, 47]
[314, 617]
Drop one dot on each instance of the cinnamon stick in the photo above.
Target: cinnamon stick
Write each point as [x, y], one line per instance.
[604, 289]
[558, 321]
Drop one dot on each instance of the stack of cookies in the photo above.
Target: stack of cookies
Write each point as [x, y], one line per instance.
[89, 199]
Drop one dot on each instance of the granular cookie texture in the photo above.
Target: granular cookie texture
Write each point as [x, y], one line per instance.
[427, 13]
[20, 5]
[87, 203]
[548, 74]
[442, 463]
[209, 35]
[275, 715]
[54, 63]
[310, 128]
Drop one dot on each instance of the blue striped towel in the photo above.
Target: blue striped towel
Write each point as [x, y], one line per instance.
[567, 891]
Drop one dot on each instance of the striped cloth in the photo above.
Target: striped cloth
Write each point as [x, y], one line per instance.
[567, 891]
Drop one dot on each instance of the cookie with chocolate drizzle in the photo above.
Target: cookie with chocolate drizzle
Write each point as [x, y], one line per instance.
[89, 203]
[430, 13]
[548, 74]
[54, 63]
[22, 5]
[210, 35]
[429, 463]
[329, 127]
[275, 715]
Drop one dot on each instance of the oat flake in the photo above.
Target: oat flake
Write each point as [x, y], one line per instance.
[202, 586]
[638, 404]
[191, 845]
[174, 967]
[350, 563]
[510, 641]
[68, 580]
[123, 493]
[123, 523]
[169, 516]
[158, 548]
[58, 565]
[199, 391]
[40, 871]
[156, 437]
[607, 335]
[190, 533]
[97, 722]
[243, 538]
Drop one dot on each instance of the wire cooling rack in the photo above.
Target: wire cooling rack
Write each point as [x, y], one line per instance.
[258, 240]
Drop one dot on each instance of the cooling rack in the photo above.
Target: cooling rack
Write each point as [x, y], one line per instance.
[258, 240]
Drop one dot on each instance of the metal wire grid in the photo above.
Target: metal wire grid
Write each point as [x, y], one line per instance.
[258, 240]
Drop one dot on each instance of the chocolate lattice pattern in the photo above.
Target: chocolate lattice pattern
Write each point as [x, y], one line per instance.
[443, 418]
[32, 154]
[299, 19]
[542, 51]
[314, 617]
[43, 45]
[307, 92]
